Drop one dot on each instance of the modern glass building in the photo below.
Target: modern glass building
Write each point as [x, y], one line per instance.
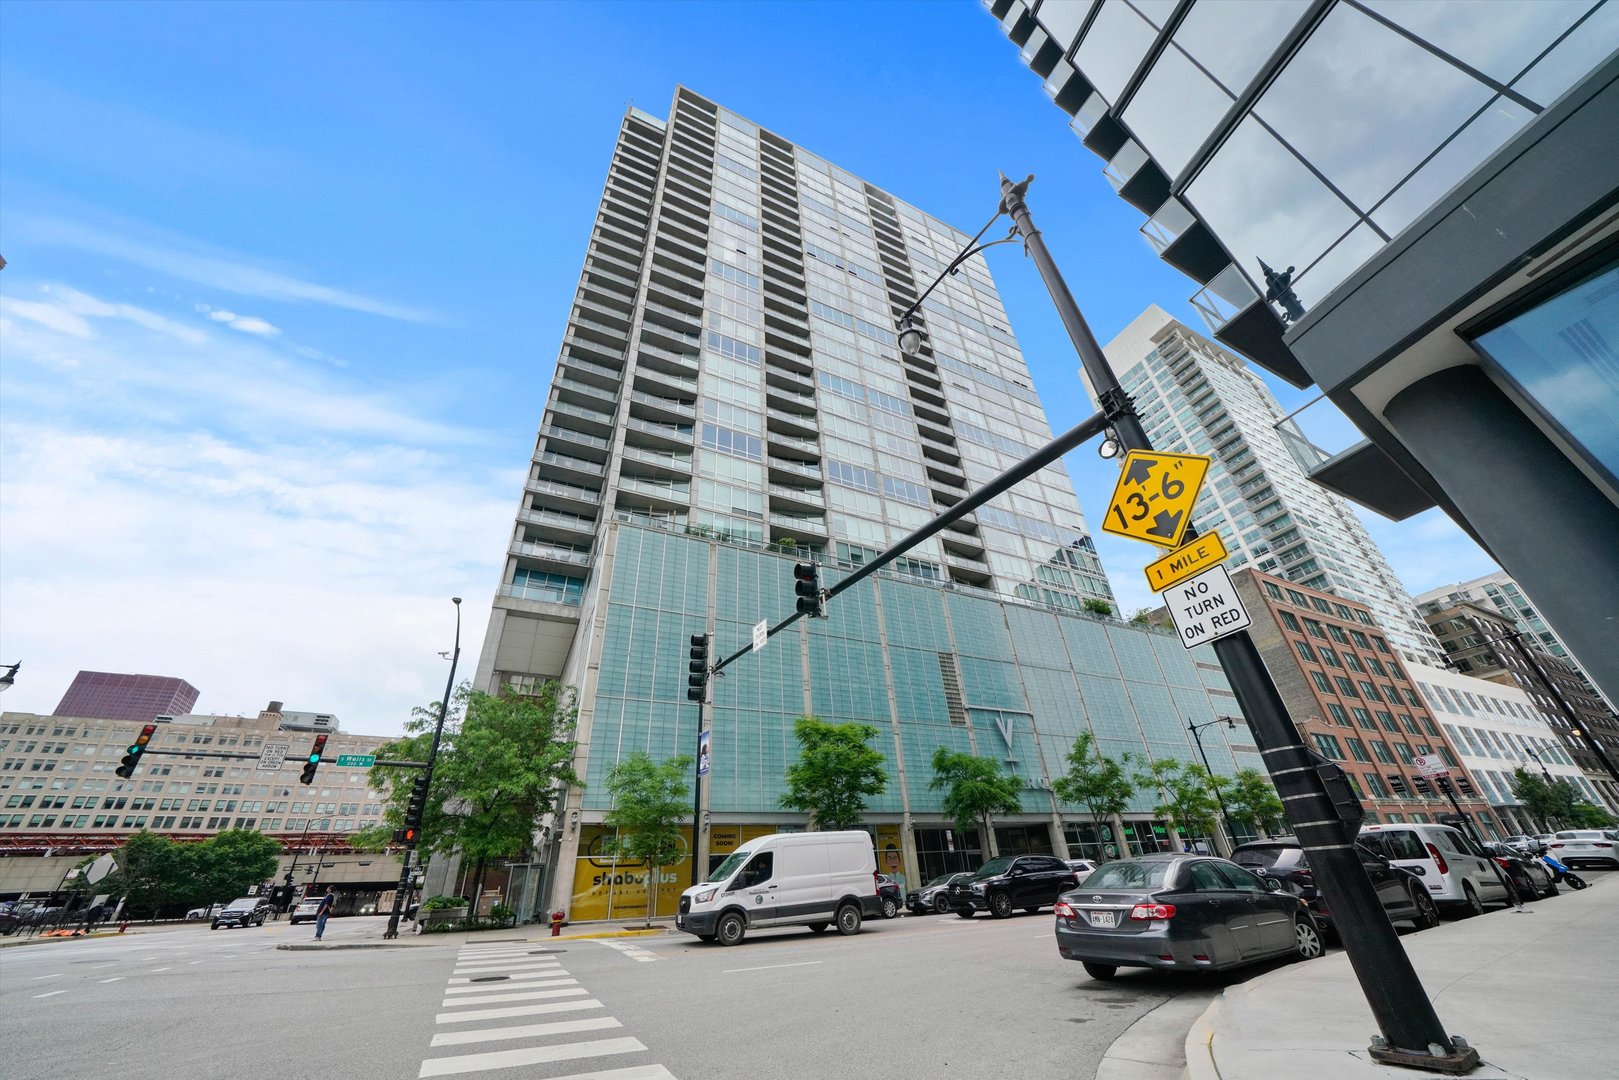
[730, 398]
[1196, 398]
[1412, 206]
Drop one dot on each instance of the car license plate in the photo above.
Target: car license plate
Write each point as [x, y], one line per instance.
[1106, 919]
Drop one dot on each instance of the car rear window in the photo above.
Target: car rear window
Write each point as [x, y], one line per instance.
[1261, 857]
[1128, 874]
[1395, 844]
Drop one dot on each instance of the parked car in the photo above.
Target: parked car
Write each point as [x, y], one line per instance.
[1403, 897]
[889, 896]
[245, 911]
[1009, 882]
[1080, 867]
[1531, 877]
[305, 910]
[1584, 847]
[1180, 913]
[811, 879]
[935, 895]
[1456, 874]
[208, 912]
[1526, 845]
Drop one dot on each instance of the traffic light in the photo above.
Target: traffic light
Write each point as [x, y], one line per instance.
[132, 756]
[308, 775]
[1397, 784]
[417, 802]
[408, 835]
[698, 677]
[807, 584]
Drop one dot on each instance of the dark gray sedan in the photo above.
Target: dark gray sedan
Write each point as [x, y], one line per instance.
[1180, 913]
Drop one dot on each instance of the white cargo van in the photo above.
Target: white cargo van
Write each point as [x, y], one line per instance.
[811, 879]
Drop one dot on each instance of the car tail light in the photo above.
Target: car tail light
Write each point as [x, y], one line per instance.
[1554, 845]
[1444, 867]
[877, 883]
[1064, 910]
[1506, 864]
[1153, 911]
[1600, 843]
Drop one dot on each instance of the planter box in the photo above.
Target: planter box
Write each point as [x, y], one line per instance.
[439, 915]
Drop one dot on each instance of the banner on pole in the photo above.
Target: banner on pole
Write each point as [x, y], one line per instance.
[702, 753]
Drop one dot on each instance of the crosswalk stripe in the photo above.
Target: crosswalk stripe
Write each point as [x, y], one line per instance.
[513, 1010]
[514, 954]
[508, 961]
[510, 984]
[525, 1031]
[532, 1055]
[634, 1072]
[516, 976]
[528, 995]
[514, 971]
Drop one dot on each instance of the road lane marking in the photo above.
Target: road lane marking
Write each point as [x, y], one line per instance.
[156, 970]
[525, 1031]
[199, 961]
[532, 1055]
[58, 975]
[770, 967]
[518, 984]
[484, 969]
[53, 993]
[549, 991]
[514, 1010]
[521, 976]
[115, 978]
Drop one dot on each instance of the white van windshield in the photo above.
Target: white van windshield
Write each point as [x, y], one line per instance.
[732, 861]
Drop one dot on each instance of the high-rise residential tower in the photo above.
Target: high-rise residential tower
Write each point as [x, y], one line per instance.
[1196, 397]
[729, 400]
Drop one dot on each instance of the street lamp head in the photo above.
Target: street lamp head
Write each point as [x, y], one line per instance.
[9, 678]
[456, 600]
[910, 337]
[1111, 447]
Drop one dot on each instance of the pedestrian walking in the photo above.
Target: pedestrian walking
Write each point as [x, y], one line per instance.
[324, 910]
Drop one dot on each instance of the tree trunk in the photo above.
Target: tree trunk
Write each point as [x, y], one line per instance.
[991, 849]
[477, 888]
[651, 894]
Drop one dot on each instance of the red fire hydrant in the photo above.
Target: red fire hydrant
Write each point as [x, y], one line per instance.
[557, 918]
[122, 927]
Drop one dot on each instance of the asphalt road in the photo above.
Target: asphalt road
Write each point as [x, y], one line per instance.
[910, 997]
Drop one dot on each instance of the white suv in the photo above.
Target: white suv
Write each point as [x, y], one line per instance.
[1456, 874]
[1580, 847]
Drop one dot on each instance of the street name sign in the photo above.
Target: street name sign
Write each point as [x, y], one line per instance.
[1431, 765]
[271, 757]
[1186, 561]
[356, 761]
[1206, 608]
[761, 634]
[1153, 498]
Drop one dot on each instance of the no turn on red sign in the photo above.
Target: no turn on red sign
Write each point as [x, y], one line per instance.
[1206, 608]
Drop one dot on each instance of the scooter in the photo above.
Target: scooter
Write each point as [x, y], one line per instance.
[1562, 875]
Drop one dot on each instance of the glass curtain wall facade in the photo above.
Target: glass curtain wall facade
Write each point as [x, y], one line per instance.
[1195, 397]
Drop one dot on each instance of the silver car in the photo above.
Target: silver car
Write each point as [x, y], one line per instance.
[1585, 847]
[1180, 913]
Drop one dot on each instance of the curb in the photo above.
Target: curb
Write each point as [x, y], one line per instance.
[20, 942]
[323, 947]
[1156, 1046]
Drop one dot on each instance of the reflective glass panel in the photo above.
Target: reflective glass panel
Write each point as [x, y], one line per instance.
[1366, 105]
[1156, 11]
[1117, 41]
[1571, 61]
[1565, 356]
[1498, 37]
[1264, 204]
[1175, 109]
[1481, 138]
[1231, 38]
[1344, 259]
[1062, 19]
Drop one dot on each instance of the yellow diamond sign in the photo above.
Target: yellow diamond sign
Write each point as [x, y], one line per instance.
[1154, 497]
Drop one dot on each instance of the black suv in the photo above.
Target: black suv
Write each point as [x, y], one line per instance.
[1403, 896]
[1009, 882]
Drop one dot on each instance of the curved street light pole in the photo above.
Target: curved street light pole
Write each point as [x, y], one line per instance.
[1225, 816]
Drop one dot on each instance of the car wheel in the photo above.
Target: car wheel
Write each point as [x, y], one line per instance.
[1307, 939]
[731, 929]
[1000, 906]
[215, 926]
[848, 920]
[1551, 888]
[966, 912]
[941, 903]
[1474, 906]
[1427, 911]
[1100, 971]
[818, 927]
[890, 909]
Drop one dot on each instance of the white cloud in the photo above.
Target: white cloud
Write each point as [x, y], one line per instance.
[178, 257]
[247, 324]
[50, 316]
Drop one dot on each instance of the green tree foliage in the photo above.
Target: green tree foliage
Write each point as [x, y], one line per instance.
[650, 802]
[1097, 607]
[1250, 798]
[1097, 783]
[974, 789]
[503, 763]
[836, 772]
[1185, 794]
[229, 863]
[155, 873]
[1558, 804]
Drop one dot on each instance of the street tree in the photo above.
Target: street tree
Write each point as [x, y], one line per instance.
[503, 763]
[1097, 783]
[649, 806]
[1250, 799]
[1558, 804]
[154, 872]
[1185, 794]
[836, 772]
[975, 790]
[227, 864]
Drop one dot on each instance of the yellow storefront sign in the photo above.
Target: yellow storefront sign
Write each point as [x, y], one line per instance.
[1186, 562]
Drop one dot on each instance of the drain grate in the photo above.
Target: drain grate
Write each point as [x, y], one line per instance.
[491, 978]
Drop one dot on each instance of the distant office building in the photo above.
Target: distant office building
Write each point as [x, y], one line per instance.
[1496, 728]
[1500, 592]
[1355, 702]
[1483, 643]
[108, 695]
[1410, 206]
[1195, 397]
[730, 400]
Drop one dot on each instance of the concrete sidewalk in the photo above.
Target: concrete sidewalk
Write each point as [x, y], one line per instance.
[1536, 994]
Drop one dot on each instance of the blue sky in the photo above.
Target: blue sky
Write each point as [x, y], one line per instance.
[287, 282]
